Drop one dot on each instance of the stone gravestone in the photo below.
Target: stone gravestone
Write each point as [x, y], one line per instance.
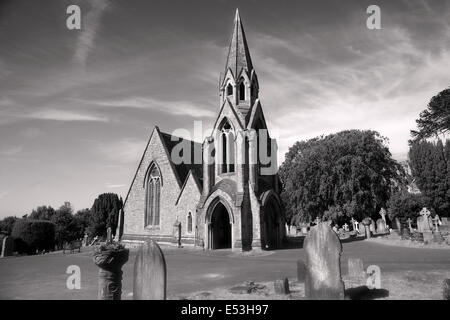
[383, 215]
[301, 271]
[423, 222]
[381, 226]
[281, 286]
[398, 225]
[372, 227]
[355, 267]
[362, 229]
[150, 275]
[323, 269]
[7, 247]
[410, 225]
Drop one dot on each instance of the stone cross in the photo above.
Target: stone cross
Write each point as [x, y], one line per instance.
[409, 224]
[345, 226]
[436, 222]
[353, 223]
[150, 273]
[383, 214]
[323, 269]
[423, 222]
[356, 228]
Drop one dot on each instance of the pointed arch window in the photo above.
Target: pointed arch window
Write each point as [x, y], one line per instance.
[242, 91]
[153, 196]
[189, 223]
[227, 148]
[229, 90]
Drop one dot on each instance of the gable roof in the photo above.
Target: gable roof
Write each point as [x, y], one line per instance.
[181, 170]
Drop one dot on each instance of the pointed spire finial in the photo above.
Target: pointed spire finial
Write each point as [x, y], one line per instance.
[238, 54]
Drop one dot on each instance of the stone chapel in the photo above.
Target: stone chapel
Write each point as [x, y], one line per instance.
[227, 199]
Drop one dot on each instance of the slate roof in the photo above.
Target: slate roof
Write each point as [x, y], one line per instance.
[182, 169]
[238, 54]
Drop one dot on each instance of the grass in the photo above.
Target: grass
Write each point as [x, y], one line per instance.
[409, 285]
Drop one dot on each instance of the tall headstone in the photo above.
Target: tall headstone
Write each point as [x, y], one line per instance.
[372, 226]
[323, 269]
[150, 275]
[7, 247]
[362, 229]
[381, 226]
[383, 215]
[424, 223]
[398, 225]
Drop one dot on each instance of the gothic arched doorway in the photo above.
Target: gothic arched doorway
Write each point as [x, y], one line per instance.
[271, 235]
[220, 228]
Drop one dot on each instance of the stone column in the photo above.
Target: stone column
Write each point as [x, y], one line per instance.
[253, 159]
[240, 159]
[110, 258]
[207, 159]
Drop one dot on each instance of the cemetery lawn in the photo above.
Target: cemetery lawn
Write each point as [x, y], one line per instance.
[406, 273]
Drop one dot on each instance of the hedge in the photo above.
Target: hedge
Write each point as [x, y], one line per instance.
[32, 235]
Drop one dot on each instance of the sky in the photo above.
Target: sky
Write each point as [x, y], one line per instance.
[78, 106]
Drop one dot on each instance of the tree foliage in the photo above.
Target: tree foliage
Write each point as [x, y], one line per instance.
[31, 235]
[105, 213]
[404, 205]
[7, 224]
[430, 166]
[347, 174]
[42, 213]
[435, 119]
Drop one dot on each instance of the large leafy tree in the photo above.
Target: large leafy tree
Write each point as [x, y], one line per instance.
[42, 213]
[67, 228]
[435, 119]
[350, 173]
[105, 213]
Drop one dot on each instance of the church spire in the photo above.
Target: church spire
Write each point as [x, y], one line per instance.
[238, 53]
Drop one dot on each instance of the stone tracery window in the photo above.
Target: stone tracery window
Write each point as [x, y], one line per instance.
[227, 148]
[153, 196]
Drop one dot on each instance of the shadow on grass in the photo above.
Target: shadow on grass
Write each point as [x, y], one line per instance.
[364, 293]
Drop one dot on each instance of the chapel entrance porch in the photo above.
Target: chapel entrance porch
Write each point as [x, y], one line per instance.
[219, 228]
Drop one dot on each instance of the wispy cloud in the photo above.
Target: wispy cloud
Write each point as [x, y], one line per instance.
[89, 28]
[386, 84]
[177, 108]
[123, 151]
[64, 115]
[114, 186]
[11, 151]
